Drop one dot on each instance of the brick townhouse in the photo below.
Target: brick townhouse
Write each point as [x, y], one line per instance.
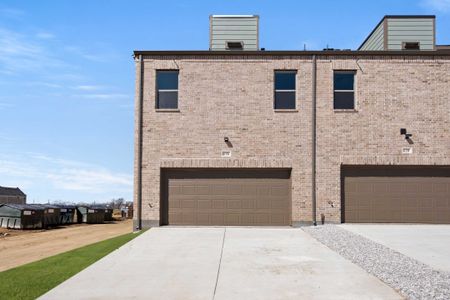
[240, 135]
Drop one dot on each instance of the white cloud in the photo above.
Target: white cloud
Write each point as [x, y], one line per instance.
[20, 53]
[61, 174]
[95, 57]
[45, 35]
[4, 105]
[106, 96]
[439, 5]
[88, 87]
[12, 13]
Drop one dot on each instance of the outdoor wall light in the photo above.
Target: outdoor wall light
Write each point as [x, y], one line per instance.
[226, 139]
[405, 133]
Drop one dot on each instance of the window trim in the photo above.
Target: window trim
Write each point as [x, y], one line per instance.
[157, 91]
[289, 71]
[354, 72]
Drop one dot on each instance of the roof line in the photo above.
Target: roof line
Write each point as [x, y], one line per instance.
[234, 16]
[291, 53]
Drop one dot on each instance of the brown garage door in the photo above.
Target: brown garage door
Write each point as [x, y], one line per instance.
[224, 197]
[397, 195]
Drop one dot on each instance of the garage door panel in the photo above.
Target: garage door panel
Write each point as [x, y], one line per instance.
[204, 204]
[441, 203]
[248, 203]
[234, 204]
[425, 203]
[418, 196]
[281, 205]
[175, 203]
[189, 203]
[263, 203]
[202, 219]
[219, 204]
[175, 190]
[249, 190]
[219, 189]
[232, 219]
[234, 189]
[203, 190]
[188, 190]
[229, 201]
[279, 191]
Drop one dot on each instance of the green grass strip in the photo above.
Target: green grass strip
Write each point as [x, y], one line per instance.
[35, 279]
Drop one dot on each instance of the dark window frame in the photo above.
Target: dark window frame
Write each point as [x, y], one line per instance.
[336, 91]
[288, 71]
[158, 90]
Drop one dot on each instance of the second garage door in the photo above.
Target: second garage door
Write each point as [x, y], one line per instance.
[224, 197]
[397, 194]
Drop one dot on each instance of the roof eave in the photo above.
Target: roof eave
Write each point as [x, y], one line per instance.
[290, 53]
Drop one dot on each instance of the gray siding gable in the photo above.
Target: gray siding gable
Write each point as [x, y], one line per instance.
[375, 41]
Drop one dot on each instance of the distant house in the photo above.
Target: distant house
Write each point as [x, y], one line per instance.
[12, 195]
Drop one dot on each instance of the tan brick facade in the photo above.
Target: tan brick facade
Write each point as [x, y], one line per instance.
[233, 96]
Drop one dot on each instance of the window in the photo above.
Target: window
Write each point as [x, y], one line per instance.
[344, 93]
[411, 46]
[167, 89]
[235, 45]
[285, 89]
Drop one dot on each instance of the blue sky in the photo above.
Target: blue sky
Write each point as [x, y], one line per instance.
[67, 76]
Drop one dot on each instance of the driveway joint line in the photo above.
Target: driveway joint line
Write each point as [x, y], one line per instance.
[220, 262]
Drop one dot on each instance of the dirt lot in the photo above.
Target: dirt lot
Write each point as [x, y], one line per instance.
[23, 246]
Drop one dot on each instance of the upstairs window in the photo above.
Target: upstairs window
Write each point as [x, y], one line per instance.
[285, 89]
[167, 89]
[344, 92]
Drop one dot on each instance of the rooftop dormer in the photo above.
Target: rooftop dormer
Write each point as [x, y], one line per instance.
[233, 32]
[402, 33]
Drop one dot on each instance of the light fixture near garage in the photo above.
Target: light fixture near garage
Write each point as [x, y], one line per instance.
[407, 135]
[227, 141]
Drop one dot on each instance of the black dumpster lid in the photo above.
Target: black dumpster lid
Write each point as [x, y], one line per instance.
[45, 205]
[65, 206]
[97, 206]
[23, 206]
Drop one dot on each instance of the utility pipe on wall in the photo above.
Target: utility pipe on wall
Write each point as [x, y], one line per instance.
[313, 152]
[139, 145]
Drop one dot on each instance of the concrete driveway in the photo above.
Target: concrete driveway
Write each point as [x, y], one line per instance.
[223, 263]
[429, 244]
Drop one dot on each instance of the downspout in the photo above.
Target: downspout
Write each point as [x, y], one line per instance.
[139, 145]
[313, 152]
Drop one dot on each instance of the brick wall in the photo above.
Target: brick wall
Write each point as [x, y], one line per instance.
[233, 96]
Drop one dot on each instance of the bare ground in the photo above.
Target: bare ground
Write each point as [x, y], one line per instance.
[19, 247]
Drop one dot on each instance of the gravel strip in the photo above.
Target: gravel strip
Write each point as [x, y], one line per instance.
[413, 279]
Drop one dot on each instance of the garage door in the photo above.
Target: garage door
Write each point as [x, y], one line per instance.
[228, 197]
[397, 195]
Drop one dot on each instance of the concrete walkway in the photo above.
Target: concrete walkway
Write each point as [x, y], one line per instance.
[427, 243]
[223, 263]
